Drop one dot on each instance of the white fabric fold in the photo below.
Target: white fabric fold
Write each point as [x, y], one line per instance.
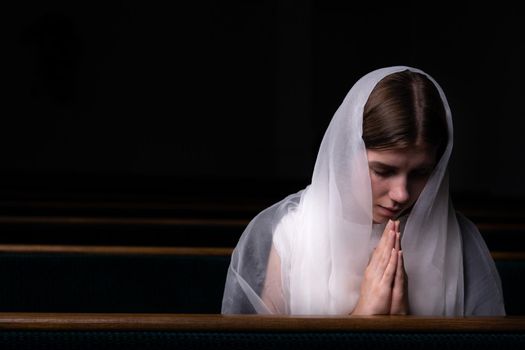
[322, 235]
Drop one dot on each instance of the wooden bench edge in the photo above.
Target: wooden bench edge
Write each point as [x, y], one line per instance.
[256, 323]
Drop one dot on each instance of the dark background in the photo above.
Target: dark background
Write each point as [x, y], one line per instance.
[158, 98]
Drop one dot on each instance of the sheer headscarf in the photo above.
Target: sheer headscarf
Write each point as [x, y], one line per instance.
[323, 234]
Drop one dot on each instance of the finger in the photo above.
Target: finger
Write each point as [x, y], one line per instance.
[387, 252]
[378, 255]
[390, 271]
[397, 225]
[400, 272]
[389, 226]
[371, 256]
[397, 244]
[399, 290]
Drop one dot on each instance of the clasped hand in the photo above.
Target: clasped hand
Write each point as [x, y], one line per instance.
[384, 287]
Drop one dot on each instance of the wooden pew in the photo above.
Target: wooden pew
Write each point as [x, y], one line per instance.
[48, 278]
[112, 279]
[115, 230]
[208, 231]
[511, 268]
[212, 217]
[182, 331]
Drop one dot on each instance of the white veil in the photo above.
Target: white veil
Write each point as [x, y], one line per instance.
[323, 234]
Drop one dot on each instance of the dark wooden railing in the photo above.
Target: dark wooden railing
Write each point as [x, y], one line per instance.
[257, 323]
[178, 331]
[177, 231]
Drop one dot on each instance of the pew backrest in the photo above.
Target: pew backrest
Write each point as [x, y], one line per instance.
[148, 279]
[112, 279]
[168, 331]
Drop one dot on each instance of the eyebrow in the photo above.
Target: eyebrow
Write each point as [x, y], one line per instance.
[376, 163]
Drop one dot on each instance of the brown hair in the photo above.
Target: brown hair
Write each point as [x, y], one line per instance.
[403, 110]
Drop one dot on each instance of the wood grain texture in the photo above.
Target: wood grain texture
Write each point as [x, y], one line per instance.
[146, 250]
[256, 323]
[114, 250]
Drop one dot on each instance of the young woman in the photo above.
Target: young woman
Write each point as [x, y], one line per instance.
[375, 231]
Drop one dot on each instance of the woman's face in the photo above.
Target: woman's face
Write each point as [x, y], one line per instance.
[398, 176]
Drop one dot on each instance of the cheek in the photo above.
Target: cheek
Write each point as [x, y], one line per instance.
[379, 187]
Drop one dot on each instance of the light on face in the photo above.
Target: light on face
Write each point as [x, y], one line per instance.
[398, 177]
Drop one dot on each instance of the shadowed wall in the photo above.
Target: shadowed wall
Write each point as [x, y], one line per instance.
[153, 96]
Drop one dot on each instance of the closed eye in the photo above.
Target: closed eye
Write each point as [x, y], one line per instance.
[383, 172]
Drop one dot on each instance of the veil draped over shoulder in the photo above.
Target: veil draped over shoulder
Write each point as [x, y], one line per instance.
[324, 235]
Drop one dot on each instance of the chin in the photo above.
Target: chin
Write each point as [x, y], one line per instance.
[379, 220]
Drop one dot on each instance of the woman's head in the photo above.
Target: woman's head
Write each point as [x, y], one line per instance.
[405, 132]
[404, 110]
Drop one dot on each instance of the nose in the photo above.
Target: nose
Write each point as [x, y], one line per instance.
[399, 190]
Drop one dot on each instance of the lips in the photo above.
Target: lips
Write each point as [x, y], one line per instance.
[389, 211]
